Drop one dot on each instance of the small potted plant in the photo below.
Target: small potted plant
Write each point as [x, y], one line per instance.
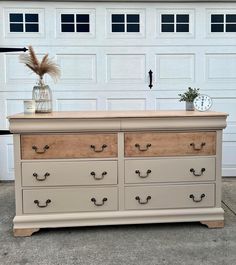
[189, 96]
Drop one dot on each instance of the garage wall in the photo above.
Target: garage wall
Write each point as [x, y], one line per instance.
[103, 70]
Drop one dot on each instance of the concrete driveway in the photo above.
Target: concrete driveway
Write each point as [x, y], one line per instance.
[155, 244]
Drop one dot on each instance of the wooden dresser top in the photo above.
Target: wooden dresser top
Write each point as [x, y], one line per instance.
[117, 114]
[95, 121]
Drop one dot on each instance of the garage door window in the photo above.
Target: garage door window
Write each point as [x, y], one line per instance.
[125, 23]
[20, 22]
[223, 22]
[174, 23]
[75, 23]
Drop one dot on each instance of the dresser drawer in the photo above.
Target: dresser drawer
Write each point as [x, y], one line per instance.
[68, 146]
[170, 197]
[69, 200]
[69, 173]
[170, 170]
[170, 144]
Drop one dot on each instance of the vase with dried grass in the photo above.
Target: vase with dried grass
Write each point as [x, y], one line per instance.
[42, 93]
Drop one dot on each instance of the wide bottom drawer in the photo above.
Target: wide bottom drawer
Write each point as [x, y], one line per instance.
[69, 200]
[170, 197]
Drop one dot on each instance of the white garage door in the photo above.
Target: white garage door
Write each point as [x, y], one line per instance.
[106, 51]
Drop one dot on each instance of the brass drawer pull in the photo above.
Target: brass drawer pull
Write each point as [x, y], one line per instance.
[197, 148]
[143, 202]
[35, 148]
[197, 174]
[99, 204]
[191, 196]
[143, 176]
[142, 149]
[41, 179]
[42, 206]
[98, 178]
[98, 150]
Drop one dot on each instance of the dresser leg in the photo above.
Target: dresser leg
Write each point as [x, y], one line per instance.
[25, 231]
[213, 224]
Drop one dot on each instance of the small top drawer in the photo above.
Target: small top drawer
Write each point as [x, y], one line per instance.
[170, 144]
[68, 146]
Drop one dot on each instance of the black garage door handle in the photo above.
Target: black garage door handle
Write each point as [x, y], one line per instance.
[150, 79]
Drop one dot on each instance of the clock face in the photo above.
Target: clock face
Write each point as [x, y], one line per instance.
[202, 103]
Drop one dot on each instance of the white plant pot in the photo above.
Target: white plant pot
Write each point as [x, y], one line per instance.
[189, 106]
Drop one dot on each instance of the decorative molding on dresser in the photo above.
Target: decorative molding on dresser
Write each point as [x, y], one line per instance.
[106, 168]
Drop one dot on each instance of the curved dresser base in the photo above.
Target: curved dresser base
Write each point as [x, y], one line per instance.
[26, 225]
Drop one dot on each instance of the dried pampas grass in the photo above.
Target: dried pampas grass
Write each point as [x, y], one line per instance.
[46, 66]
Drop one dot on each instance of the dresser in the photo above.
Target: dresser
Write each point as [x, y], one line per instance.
[113, 168]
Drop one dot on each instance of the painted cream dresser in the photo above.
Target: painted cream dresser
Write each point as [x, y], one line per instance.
[106, 168]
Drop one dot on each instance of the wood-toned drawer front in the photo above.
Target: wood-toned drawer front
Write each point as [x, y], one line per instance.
[170, 197]
[170, 144]
[69, 200]
[68, 146]
[170, 170]
[69, 173]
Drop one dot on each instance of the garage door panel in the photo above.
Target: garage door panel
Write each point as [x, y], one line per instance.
[111, 100]
[169, 104]
[16, 72]
[77, 68]
[230, 137]
[14, 106]
[175, 67]
[126, 104]
[229, 158]
[226, 105]
[7, 160]
[230, 131]
[76, 104]
[2, 70]
[10, 159]
[126, 68]
[2, 112]
[230, 134]
[221, 67]
[11, 103]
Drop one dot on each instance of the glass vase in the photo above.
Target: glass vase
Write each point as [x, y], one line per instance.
[42, 95]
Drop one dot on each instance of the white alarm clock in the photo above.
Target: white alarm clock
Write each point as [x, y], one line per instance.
[202, 102]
